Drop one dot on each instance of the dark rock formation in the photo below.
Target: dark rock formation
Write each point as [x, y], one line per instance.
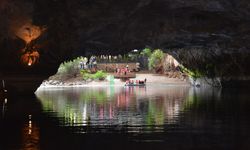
[208, 35]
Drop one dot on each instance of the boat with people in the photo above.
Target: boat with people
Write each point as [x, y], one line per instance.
[136, 82]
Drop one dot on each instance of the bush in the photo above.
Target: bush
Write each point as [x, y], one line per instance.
[69, 68]
[86, 74]
[155, 59]
[100, 75]
[192, 73]
[146, 52]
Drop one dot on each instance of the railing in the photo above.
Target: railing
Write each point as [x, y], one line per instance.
[116, 61]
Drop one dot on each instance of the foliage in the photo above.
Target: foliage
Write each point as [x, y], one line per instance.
[86, 74]
[155, 59]
[146, 52]
[192, 73]
[100, 75]
[132, 56]
[70, 68]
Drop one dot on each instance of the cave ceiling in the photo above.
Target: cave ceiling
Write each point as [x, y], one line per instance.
[68, 28]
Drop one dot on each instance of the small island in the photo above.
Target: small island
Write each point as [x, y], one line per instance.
[154, 67]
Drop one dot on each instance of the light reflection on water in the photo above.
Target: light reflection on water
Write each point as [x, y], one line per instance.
[139, 109]
[30, 135]
[118, 117]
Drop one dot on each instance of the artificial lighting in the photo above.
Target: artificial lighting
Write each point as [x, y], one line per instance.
[30, 58]
[29, 32]
[30, 125]
[30, 63]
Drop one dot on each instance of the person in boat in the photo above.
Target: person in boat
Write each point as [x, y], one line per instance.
[137, 82]
[127, 82]
[141, 82]
[116, 68]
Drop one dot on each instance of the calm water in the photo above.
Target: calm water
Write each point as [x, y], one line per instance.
[152, 117]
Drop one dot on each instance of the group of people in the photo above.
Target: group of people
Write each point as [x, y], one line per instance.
[136, 82]
[92, 63]
[122, 70]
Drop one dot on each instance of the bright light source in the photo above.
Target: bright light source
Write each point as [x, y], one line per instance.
[30, 58]
[135, 50]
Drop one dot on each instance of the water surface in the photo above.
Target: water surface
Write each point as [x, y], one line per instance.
[157, 116]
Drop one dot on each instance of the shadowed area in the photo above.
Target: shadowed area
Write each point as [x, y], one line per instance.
[211, 36]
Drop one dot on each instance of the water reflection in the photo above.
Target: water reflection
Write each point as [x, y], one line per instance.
[18, 128]
[138, 108]
[4, 106]
[125, 118]
[30, 135]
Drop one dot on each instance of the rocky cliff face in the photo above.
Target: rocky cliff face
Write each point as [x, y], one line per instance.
[206, 34]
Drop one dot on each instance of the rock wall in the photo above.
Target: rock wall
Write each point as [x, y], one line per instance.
[207, 35]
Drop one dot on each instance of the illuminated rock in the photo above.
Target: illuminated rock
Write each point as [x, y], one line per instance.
[30, 58]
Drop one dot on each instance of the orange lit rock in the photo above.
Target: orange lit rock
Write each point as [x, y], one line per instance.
[29, 32]
[30, 58]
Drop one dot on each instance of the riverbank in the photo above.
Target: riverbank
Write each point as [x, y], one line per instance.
[151, 79]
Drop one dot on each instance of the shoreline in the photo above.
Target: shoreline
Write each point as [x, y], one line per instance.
[152, 79]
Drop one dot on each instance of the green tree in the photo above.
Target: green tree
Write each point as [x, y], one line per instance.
[146, 52]
[156, 59]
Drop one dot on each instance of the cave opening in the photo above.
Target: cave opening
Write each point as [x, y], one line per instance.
[136, 66]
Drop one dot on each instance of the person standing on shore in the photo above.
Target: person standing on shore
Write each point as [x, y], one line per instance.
[81, 64]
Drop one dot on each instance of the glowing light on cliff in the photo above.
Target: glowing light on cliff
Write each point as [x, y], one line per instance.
[30, 58]
[30, 63]
[29, 32]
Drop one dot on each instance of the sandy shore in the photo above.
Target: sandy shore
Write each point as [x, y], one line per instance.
[156, 78]
[151, 79]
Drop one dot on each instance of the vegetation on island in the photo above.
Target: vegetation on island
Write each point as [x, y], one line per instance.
[155, 59]
[195, 74]
[99, 75]
[146, 52]
[71, 69]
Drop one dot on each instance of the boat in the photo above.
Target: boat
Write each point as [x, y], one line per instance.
[131, 84]
[140, 83]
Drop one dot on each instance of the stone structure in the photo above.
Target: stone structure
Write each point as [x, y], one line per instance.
[110, 67]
